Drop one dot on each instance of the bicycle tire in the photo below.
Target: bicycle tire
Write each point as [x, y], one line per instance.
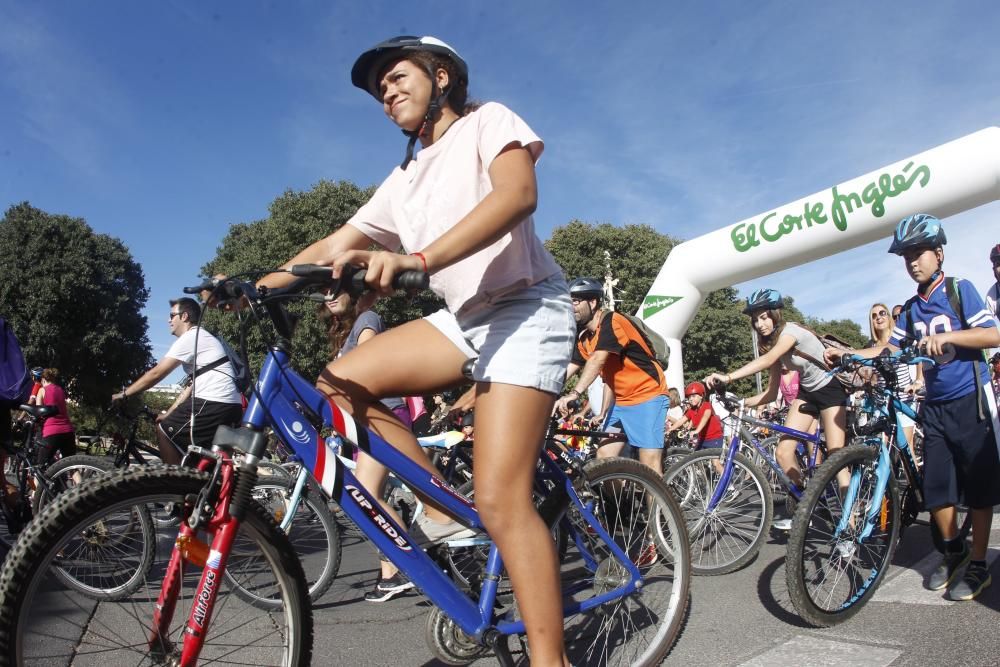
[639, 629]
[109, 633]
[730, 536]
[814, 552]
[58, 472]
[314, 535]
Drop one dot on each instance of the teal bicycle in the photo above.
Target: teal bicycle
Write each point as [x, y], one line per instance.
[843, 537]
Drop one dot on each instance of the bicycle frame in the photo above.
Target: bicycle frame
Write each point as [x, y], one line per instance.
[730, 455]
[883, 470]
[297, 411]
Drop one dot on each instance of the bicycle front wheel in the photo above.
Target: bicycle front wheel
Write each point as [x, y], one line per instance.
[634, 506]
[842, 538]
[44, 621]
[728, 536]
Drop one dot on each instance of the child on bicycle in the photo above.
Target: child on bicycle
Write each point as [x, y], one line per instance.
[462, 208]
[699, 415]
[789, 345]
[961, 430]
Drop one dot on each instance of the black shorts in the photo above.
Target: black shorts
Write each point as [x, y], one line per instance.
[961, 464]
[207, 417]
[830, 396]
[64, 443]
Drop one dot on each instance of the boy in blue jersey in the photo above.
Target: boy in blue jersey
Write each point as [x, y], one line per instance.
[961, 431]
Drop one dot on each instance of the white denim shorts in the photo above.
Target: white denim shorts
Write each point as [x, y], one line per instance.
[524, 337]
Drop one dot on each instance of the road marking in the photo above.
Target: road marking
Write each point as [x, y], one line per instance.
[908, 585]
[810, 651]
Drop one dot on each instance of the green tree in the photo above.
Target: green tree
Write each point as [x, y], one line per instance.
[297, 219]
[75, 298]
[637, 253]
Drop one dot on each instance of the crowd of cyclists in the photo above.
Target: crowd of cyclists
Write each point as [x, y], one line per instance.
[461, 210]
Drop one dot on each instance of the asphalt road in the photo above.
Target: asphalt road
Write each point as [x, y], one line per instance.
[740, 619]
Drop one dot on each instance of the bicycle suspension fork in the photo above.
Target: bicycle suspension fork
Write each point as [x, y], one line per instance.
[218, 509]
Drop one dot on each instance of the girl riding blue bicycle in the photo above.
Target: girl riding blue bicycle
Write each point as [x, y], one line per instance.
[461, 207]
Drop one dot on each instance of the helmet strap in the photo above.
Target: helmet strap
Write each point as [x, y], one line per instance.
[426, 128]
[923, 287]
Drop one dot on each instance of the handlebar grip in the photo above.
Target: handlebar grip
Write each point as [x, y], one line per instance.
[312, 271]
[412, 280]
[206, 285]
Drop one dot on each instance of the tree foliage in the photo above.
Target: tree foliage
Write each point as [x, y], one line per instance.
[636, 254]
[74, 298]
[297, 219]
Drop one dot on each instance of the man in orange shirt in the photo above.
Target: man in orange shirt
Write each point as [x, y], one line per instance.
[610, 346]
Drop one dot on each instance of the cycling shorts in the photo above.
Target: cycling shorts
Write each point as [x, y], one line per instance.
[522, 338]
[711, 444]
[197, 423]
[829, 396]
[643, 423]
[961, 463]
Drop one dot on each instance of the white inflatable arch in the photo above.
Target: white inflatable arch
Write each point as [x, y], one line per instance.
[949, 179]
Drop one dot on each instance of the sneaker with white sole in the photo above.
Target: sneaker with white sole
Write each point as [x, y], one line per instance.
[386, 589]
[426, 532]
[976, 578]
[950, 566]
[782, 524]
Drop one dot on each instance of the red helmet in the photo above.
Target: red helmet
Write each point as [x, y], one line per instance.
[694, 388]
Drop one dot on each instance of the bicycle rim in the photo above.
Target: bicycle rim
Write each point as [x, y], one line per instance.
[727, 537]
[44, 621]
[634, 506]
[832, 574]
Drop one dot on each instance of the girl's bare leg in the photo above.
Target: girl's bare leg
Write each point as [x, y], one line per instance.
[510, 427]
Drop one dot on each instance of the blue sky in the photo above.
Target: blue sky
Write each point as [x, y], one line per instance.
[163, 123]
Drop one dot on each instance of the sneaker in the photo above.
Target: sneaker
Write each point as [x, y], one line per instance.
[426, 532]
[948, 568]
[648, 555]
[386, 589]
[976, 578]
[782, 524]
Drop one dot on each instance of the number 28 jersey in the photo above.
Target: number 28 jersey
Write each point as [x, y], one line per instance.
[934, 315]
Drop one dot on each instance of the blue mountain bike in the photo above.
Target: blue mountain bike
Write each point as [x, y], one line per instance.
[726, 495]
[843, 537]
[194, 605]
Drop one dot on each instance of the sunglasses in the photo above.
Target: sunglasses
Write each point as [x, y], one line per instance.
[880, 313]
[173, 315]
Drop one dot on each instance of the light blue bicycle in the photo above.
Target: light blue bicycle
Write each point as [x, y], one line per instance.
[843, 537]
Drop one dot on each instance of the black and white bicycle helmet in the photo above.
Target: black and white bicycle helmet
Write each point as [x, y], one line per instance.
[586, 288]
[764, 299]
[917, 231]
[369, 65]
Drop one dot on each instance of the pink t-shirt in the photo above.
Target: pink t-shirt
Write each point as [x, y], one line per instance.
[59, 423]
[790, 389]
[446, 180]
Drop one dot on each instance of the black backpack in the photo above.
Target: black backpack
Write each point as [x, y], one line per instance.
[15, 377]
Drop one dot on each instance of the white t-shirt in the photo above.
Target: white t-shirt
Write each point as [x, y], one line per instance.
[212, 385]
[446, 180]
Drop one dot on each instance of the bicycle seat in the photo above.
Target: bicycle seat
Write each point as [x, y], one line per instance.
[809, 409]
[40, 411]
[468, 366]
[444, 440]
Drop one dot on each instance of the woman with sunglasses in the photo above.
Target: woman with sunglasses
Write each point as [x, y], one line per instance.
[908, 378]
